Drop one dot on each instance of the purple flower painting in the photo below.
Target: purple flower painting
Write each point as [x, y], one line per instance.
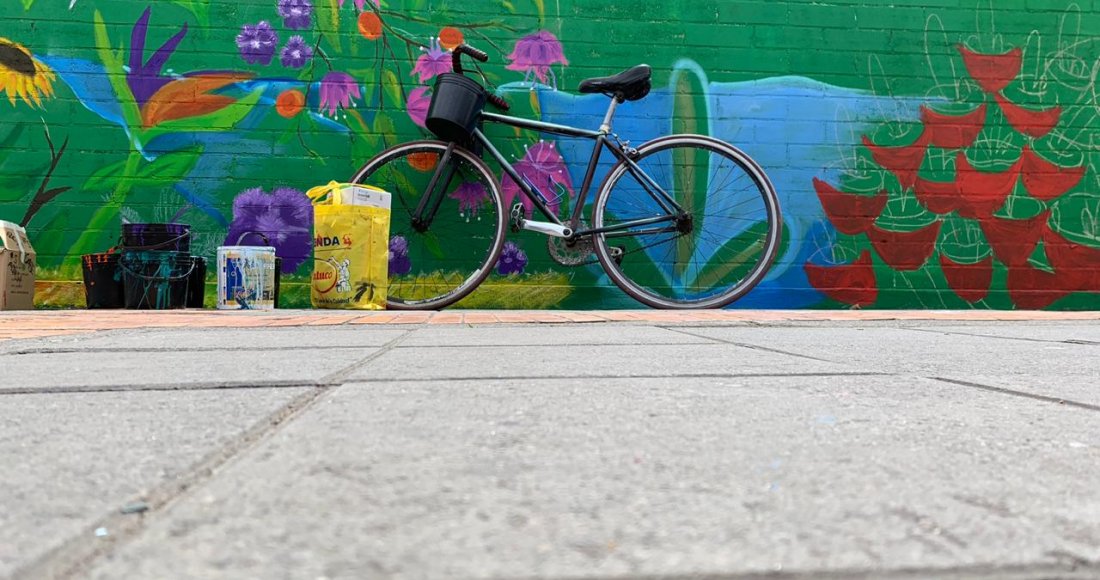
[144, 77]
[470, 196]
[399, 256]
[338, 90]
[417, 105]
[285, 216]
[433, 62]
[256, 43]
[512, 260]
[535, 54]
[296, 14]
[544, 167]
[296, 53]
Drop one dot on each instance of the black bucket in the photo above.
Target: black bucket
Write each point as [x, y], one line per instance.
[156, 280]
[457, 102]
[196, 283]
[278, 274]
[103, 280]
[160, 237]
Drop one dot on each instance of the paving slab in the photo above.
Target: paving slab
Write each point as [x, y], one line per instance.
[633, 477]
[1047, 332]
[71, 459]
[529, 335]
[122, 370]
[1053, 369]
[585, 361]
[213, 339]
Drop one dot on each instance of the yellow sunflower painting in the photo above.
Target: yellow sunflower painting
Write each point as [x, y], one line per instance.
[22, 75]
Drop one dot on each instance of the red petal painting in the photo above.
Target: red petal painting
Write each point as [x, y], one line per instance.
[902, 161]
[1045, 180]
[983, 192]
[1077, 264]
[850, 213]
[1027, 121]
[970, 281]
[848, 283]
[952, 131]
[189, 97]
[905, 251]
[993, 72]
[1013, 241]
[1033, 289]
[940, 197]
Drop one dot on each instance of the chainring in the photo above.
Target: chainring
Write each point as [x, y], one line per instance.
[575, 252]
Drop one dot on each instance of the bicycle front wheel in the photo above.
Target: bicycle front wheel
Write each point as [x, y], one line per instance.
[435, 262]
[718, 251]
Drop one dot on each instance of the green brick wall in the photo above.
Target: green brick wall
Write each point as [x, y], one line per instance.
[849, 105]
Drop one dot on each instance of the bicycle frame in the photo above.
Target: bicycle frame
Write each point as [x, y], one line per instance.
[672, 209]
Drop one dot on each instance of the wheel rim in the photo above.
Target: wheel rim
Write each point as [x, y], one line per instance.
[436, 267]
[733, 236]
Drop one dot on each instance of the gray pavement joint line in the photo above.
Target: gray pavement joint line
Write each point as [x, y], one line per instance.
[616, 377]
[749, 345]
[1069, 569]
[1016, 393]
[1017, 338]
[77, 553]
[229, 386]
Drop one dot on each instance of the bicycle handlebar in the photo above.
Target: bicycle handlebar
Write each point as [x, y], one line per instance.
[481, 56]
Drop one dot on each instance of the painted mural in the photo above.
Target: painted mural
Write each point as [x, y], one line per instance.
[932, 158]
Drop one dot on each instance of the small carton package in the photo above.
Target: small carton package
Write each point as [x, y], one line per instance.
[17, 268]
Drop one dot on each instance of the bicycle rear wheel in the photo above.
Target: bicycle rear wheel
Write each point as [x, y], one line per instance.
[436, 264]
[723, 248]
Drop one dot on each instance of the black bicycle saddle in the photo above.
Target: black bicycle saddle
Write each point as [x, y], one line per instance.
[629, 85]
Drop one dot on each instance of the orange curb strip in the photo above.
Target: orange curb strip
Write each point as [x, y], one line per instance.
[45, 323]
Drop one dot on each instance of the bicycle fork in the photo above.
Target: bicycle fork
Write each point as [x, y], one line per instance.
[421, 219]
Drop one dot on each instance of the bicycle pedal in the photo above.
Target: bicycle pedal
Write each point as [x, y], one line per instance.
[617, 253]
[518, 217]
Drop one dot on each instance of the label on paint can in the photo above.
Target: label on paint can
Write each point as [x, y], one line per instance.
[246, 278]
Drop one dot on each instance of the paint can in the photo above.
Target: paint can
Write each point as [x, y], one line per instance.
[246, 278]
[155, 280]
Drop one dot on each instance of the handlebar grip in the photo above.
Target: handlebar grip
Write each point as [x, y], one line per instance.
[478, 55]
[499, 103]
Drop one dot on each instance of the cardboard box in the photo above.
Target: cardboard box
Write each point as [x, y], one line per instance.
[17, 268]
[364, 195]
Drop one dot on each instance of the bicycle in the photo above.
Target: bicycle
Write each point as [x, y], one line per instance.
[660, 236]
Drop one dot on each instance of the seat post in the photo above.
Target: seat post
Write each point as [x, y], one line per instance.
[605, 127]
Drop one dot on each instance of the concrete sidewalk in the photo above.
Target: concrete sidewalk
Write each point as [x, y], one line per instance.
[634, 444]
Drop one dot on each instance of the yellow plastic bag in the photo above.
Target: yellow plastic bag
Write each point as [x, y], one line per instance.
[351, 246]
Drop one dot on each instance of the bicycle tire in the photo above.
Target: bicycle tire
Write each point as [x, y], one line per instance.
[468, 227]
[682, 278]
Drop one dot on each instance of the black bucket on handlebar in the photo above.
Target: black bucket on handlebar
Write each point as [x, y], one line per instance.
[457, 102]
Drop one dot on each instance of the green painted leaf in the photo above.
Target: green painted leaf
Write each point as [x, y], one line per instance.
[432, 243]
[735, 259]
[392, 86]
[168, 168]
[328, 20]
[116, 74]
[691, 181]
[200, 8]
[27, 4]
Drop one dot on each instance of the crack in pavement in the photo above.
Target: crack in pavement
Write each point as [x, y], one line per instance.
[77, 553]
